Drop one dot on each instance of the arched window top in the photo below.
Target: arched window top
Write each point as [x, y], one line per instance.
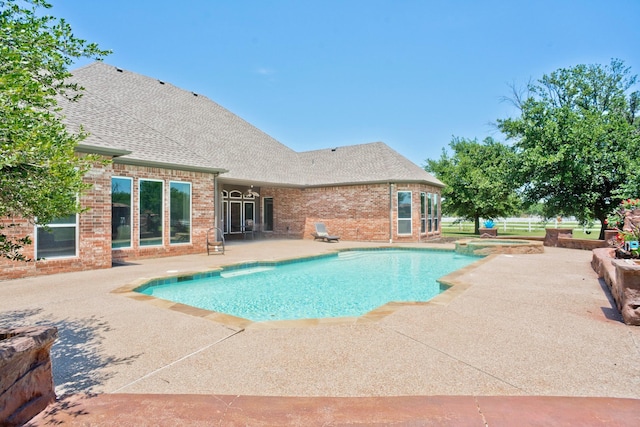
[225, 193]
[235, 194]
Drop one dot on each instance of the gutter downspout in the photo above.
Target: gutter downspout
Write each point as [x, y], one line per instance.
[390, 212]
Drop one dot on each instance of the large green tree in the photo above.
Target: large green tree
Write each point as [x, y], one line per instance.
[40, 175]
[577, 140]
[477, 180]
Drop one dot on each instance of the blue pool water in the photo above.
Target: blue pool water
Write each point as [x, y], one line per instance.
[350, 283]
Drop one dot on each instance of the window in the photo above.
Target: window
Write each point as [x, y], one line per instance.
[235, 216]
[268, 213]
[423, 213]
[121, 192]
[404, 212]
[225, 217]
[58, 239]
[180, 209]
[249, 215]
[436, 214]
[429, 212]
[151, 203]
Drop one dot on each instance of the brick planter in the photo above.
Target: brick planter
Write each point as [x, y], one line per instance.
[610, 234]
[623, 279]
[628, 289]
[26, 380]
[552, 235]
[489, 232]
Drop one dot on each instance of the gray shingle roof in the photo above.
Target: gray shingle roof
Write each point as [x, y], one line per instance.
[373, 162]
[162, 124]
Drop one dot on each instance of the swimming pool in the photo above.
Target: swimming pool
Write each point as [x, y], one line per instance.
[349, 283]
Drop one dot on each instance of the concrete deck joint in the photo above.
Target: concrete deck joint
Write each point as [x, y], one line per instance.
[457, 359]
[162, 368]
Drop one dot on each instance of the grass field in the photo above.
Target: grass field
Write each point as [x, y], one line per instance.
[519, 227]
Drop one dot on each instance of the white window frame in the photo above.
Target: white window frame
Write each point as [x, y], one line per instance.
[76, 237]
[410, 219]
[423, 212]
[190, 212]
[131, 214]
[429, 212]
[140, 181]
[436, 213]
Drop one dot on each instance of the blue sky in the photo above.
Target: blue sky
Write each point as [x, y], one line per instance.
[318, 74]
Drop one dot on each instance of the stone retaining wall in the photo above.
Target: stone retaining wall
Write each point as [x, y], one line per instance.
[584, 244]
[623, 279]
[26, 380]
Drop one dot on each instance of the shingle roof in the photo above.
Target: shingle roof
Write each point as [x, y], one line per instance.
[162, 124]
[373, 162]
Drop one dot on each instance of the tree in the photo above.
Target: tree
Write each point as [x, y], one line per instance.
[577, 140]
[477, 179]
[40, 175]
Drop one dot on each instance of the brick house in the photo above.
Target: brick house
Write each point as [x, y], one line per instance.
[181, 164]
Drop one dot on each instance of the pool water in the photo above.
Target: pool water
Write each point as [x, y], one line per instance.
[346, 284]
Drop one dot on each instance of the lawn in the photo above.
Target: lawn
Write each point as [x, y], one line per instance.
[453, 231]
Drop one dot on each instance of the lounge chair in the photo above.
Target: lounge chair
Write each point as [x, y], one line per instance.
[321, 233]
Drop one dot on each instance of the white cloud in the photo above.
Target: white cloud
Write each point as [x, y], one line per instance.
[265, 71]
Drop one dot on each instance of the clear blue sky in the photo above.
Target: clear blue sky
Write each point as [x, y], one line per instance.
[317, 74]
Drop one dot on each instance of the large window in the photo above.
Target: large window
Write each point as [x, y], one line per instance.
[151, 212]
[249, 213]
[268, 213]
[436, 214]
[58, 239]
[121, 192]
[430, 212]
[180, 208]
[404, 212]
[423, 213]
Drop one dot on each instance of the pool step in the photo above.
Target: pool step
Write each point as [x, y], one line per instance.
[244, 271]
[352, 254]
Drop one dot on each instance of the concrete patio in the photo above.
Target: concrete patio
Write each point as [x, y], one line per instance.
[531, 326]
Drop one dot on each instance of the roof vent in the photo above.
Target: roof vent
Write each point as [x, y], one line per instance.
[334, 149]
[194, 94]
[161, 82]
[119, 69]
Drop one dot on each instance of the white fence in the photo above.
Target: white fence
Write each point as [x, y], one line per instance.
[519, 224]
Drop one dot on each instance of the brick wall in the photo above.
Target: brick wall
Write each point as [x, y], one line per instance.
[94, 243]
[94, 234]
[288, 211]
[353, 212]
[202, 211]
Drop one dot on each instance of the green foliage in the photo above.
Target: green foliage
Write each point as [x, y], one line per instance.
[40, 176]
[628, 230]
[576, 141]
[477, 179]
[10, 248]
[615, 219]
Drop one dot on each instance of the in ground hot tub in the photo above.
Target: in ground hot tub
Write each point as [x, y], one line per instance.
[498, 246]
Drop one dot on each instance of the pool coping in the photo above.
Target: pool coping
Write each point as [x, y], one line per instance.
[452, 281]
